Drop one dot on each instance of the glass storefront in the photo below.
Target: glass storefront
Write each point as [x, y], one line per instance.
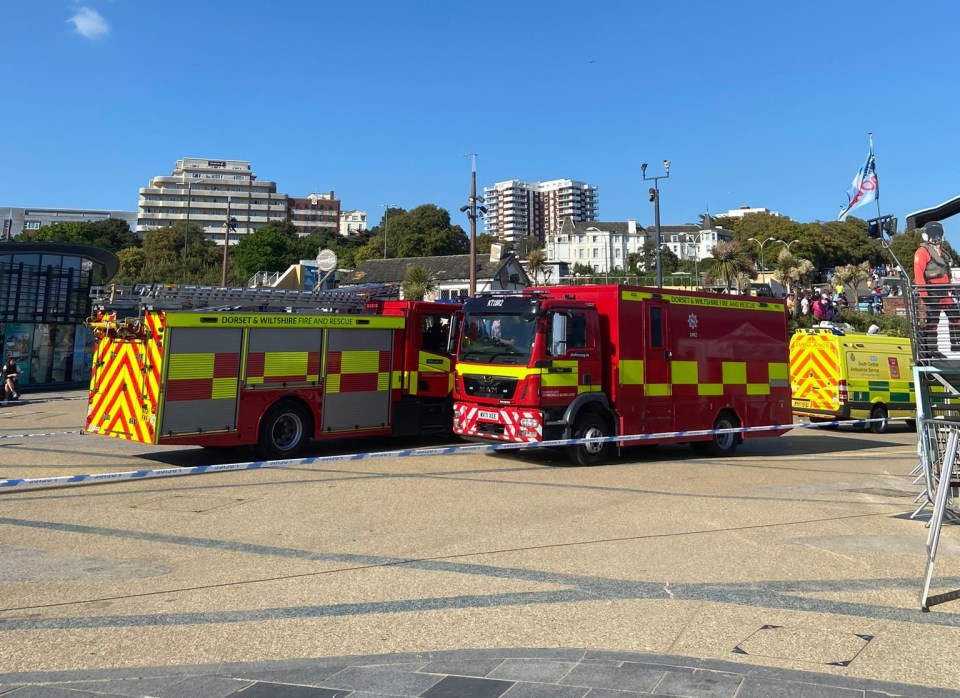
[44, 300]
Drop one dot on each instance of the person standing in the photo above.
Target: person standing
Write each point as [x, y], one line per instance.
[931, 274]
[805, 303]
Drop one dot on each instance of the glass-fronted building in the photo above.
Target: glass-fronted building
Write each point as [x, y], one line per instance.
[44, 300]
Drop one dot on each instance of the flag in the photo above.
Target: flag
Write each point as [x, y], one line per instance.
[865, 187]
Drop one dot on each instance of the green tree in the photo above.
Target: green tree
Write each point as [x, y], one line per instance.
[485, 241]
[170, 256]
[112, 234]
[270, 248]
[417, 283]
[538, 268]
[726, 263]
[425, 231]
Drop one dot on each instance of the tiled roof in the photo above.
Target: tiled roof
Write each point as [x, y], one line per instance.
[450, 267]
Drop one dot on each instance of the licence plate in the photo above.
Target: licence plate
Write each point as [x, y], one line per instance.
[488, 416]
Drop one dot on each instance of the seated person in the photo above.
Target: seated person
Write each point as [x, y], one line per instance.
[11, 375]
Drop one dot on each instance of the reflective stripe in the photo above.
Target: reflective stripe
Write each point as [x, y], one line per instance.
[281, 321]
[631, 372]
[658, 389]
[710, 389]
[704, 301]
[190, 366]
[684, 372]
[498, 370]
[734, 373]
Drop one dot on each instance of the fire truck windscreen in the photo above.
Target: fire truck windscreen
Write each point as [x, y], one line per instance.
[497, 337]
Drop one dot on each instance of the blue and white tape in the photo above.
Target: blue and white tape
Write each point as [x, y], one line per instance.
[18, 437]
[94, 478]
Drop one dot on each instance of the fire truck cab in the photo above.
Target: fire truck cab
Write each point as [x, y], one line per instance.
[594, 361]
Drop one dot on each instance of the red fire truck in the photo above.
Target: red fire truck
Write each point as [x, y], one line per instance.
[231, 377]
[591, 361]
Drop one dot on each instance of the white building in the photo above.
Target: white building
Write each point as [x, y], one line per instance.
[17, 220]
[691, 241]
[746, 211]
[517, 208]
[352, 222]
[603, 246]
[200, 191]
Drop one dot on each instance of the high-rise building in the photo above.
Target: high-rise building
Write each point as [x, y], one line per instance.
[200, 190]
[517, 209]
[314, 212]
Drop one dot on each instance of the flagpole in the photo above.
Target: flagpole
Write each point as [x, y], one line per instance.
[870, 134]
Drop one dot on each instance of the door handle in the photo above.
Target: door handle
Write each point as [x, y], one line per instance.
[667, 355]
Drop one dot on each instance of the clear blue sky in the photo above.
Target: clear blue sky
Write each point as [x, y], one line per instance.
[755, 103]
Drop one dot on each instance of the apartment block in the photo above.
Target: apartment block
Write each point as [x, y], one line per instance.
[314, 212]
[201, 191]
[518, 208]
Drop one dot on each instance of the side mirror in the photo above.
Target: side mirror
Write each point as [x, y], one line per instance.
[559, 333]
[530, 314]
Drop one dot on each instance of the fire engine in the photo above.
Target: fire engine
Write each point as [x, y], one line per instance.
[245, 373]
[593, 361]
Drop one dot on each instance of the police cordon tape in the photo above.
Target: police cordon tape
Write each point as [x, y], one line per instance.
[79, 432]
[96, 478]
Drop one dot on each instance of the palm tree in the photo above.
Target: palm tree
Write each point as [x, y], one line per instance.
[790, 270]
[537, 266]
[852, 275]
[726, 263]
[417, 283]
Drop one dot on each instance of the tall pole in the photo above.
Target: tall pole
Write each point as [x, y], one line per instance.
[655, 198]
[473, 227]
[226, 246]
[386, 220]
[186, 228]
[656, 228]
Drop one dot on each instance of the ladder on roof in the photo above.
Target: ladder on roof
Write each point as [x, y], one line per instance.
[139, 297]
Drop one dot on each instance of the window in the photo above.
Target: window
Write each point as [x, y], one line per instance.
[436, 329]
[656, 327]
[31, 225]
[616, 253]
[595, 238]
[596, 253]
[580, 253]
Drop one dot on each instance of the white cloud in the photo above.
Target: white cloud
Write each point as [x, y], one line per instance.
[89, 23]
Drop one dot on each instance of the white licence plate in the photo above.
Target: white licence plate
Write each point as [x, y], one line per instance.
[488, 416]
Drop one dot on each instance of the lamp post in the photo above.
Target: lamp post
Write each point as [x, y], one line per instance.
[471, 210]
[186, 227]
[762, 268]
[696, 253]
[655, 198]
[386, 220]
[229, 225]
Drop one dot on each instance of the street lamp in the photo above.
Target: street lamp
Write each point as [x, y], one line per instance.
[655, 198]
[471, 210]
[386, 219]
[186, 227]
[762, 267]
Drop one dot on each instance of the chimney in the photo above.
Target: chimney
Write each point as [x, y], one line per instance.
[496, 252]
[632, 226]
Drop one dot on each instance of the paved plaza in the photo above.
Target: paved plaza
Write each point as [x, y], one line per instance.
[792, 568]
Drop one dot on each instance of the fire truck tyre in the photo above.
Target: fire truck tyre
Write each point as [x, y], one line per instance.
[285, 431]
[587, 426]
[720, 444]
[879, 412]
[911, 424]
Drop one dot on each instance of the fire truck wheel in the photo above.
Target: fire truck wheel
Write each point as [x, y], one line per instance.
[285, 431]
[720, 444]
[587, 426]
[879, 412]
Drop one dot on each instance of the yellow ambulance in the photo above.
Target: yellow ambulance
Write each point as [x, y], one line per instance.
[835, 374]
